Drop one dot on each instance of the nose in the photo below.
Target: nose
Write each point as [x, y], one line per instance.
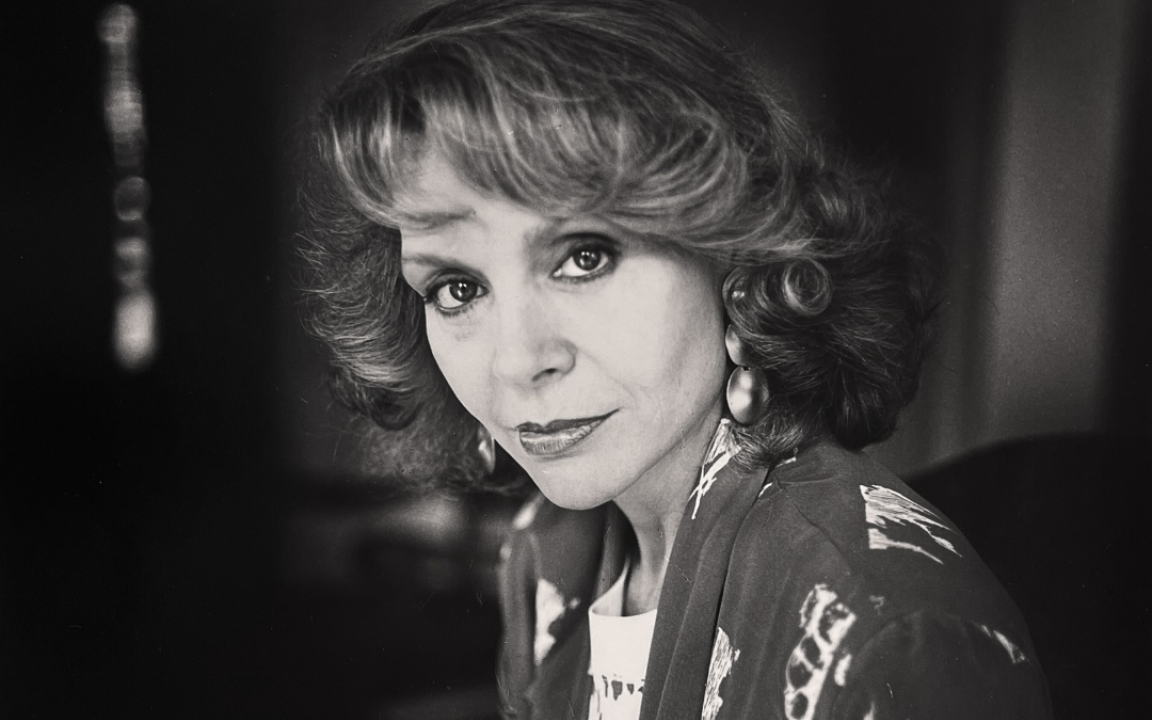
[531, 348]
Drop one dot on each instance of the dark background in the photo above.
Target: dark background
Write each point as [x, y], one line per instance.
[206, 538]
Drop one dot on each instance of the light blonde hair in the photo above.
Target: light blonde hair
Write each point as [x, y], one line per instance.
[639, 111]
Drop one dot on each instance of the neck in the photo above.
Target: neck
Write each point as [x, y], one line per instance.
[654, 506]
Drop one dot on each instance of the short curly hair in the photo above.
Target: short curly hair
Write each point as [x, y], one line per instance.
[638, 111]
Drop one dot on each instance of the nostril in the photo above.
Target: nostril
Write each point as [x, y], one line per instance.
[534, 364]
[531, 346]
[547, 373]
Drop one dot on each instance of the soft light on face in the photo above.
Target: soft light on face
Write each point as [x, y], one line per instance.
[594, 358]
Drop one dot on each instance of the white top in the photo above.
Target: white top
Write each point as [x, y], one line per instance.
[619, 655]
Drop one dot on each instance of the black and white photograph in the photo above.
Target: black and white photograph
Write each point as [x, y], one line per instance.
[576, 360]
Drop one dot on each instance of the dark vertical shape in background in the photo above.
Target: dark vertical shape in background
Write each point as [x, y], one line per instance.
[887, 80]
[977, 55]
[139, 512]
[891, 87]
[1130, 386]
[65, 510]
[212, 524]
[914, 93]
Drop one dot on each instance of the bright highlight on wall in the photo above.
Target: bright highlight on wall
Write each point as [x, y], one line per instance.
[134, 332]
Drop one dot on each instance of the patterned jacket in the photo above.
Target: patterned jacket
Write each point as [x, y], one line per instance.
[828, 589]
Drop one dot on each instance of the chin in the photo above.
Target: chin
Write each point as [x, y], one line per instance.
[572, 487]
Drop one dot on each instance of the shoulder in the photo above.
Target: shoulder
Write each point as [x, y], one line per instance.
[846, 585]
[931, 664]
[869, 533]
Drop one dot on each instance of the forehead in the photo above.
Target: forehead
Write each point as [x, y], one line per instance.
[437, 205]
[444, 213]
[436, 195]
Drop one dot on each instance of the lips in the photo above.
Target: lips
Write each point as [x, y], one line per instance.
[558, 436]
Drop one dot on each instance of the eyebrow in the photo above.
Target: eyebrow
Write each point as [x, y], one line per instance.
[435, 220]
[428, 260]
[545, 234]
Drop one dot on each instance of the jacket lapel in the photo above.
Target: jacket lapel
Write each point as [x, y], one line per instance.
[690, 598]
[581, 561]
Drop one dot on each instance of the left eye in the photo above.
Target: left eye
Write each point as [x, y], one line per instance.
[584, 261]
[454, 296]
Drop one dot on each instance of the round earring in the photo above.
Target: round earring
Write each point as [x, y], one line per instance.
[747, 386]
[486, 449]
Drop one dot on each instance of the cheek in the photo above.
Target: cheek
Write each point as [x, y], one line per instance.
[460, 360]
[662, 334]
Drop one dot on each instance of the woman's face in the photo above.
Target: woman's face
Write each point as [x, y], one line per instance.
[594, 358]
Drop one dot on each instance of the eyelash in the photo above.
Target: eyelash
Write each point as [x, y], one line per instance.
[601, 245]
[433, 292]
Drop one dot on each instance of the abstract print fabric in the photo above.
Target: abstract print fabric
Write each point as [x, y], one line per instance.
[827, 589]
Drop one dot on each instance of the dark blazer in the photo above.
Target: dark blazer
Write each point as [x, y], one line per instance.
[826, 589]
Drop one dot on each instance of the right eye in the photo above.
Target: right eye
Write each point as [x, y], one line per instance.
[454, 295]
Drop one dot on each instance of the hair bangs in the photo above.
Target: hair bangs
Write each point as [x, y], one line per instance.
[549, 135]
[636, 111]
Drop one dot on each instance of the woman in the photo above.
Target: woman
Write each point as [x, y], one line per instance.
[589, 233]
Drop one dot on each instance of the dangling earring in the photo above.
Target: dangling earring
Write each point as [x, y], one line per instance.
[486, 449]
[747, 386]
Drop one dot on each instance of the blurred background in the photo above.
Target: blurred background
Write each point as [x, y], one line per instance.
[195, 530]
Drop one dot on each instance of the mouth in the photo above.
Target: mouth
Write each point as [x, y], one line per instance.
[558, 436]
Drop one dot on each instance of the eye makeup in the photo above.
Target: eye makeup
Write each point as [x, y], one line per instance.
[587, 257]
